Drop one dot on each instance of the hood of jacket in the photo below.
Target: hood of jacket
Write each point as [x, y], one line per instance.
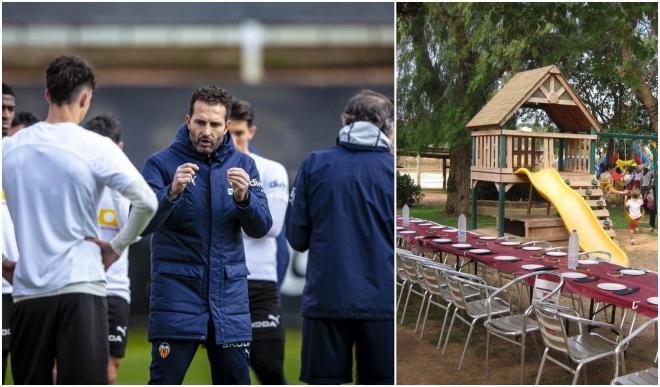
[365, 136]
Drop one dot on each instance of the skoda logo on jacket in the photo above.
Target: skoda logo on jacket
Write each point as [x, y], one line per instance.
[198, 269]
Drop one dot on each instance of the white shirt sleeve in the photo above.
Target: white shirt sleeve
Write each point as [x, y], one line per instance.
[144, 206]
[113, 168]
[277, 192]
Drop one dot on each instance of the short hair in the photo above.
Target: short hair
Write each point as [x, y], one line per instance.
[618, 170]
[212, 95]
[370, 106]
[66, 76]
[105, 125]
[24, 118]
[7, 90]
[242, 110]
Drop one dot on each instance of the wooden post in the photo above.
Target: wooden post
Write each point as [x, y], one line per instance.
[560, 155]
[473, 214]
[592, 154]
[502, 190]
[419, 171]
[444, 173]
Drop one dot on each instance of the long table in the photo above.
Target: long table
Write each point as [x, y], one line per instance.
[647, 283]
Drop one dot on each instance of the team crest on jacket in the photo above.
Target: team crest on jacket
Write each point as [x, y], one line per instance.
[164, 350]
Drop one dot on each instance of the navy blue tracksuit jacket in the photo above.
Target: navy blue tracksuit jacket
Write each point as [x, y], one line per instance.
[198, 269]
[342, 210]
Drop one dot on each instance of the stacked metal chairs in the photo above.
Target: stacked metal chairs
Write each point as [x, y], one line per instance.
[647, 376]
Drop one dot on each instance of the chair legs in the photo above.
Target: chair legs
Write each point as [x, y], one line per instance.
[577, 373]
[426, 315]
[522, 360]
[487, 350]
[538, 377]
[405, 305]
[465, 347]
[403, 288]
[444, 324]
[421, 309]
[451, 324]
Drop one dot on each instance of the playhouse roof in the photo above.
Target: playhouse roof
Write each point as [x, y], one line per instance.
[544, 88]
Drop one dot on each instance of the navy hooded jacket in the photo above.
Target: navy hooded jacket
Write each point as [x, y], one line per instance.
[198, 266]
[342, 210]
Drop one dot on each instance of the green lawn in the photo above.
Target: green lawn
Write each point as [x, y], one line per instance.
[135, 366]
[437, 214]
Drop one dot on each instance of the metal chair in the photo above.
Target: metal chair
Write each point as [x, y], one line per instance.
[598, 255]
[475, 310]
[647, 376]
[581, 349]
[436, 286]
[401, 275]
[510, 328]
[409, 265]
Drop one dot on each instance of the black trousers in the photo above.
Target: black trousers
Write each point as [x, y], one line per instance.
[170, 359]
[267, 353]
[72, 328]
[7, 304]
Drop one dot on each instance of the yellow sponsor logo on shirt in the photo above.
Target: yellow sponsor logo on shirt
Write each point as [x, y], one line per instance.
[108, 217]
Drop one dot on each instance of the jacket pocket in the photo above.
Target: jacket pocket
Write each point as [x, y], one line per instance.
[178, 287]
[235, 289]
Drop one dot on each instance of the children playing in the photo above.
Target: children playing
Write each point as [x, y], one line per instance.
[634, 212]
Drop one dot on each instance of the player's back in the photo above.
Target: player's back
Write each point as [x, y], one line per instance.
[52, 180]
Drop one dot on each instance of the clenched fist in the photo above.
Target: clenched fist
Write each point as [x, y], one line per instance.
[185, 174]
[240, 183]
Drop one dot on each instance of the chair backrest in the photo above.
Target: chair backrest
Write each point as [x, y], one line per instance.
[410, 268]
[599, 255]
[551, 325]
[545, 289]
[400, 270]
[456, 280]
[433, 278]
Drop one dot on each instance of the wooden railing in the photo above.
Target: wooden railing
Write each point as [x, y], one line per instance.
[565, 151]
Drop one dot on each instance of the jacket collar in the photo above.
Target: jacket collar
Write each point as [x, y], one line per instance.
[181, 143]
[362, 135]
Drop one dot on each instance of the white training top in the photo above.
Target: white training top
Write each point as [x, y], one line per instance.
[112, 217]
[54, 175]
[261, 254]
[634, 206]
[9, 248]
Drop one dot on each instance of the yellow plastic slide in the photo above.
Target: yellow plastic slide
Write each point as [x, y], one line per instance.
[575, 213]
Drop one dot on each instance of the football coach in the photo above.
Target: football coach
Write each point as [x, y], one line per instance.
[207, 192]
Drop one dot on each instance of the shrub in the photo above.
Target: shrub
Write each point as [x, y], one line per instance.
[407, 192]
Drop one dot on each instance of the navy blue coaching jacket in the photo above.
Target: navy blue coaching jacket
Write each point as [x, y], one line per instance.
[198, 266]
[342, 210]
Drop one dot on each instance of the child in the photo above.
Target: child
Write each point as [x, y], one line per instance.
[649, 204]
[634, 212]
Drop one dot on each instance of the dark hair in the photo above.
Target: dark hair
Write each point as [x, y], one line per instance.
[24, 118]
[618, 170]
[66, 76]
[105, 125]
[242, 110]
[212, 95]
[370, 106]
[6, 89]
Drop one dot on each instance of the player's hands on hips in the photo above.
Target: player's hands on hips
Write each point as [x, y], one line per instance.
[240, 183]
[108, 255]
[184, 175]
[8, 267]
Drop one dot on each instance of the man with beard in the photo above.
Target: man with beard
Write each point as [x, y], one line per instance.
[207, 192]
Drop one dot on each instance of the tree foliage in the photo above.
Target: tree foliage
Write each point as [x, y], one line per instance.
[452, 57]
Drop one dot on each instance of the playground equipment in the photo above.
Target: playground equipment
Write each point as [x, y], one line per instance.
[502, 156]
[575, 212]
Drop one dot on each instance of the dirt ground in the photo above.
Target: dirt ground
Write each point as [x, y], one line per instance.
[418, 361]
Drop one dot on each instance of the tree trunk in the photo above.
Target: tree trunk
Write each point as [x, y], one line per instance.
[642, 90]
[458, 184]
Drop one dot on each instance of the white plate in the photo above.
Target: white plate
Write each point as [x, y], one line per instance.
[420, 237]
[487, 238]
[400, 228]
[442, 240]
[416, 221]
[426, 224]
[572, 274]
[652, 300]
[531, 266]
[506, 258]
[632, 271]
[461, 245]
[532, 248]
[588, 262]
[610, 286]
[510, 243]
[450, 230]
[408, 232]
[437, 227]
[480, 251]
[556, 253]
